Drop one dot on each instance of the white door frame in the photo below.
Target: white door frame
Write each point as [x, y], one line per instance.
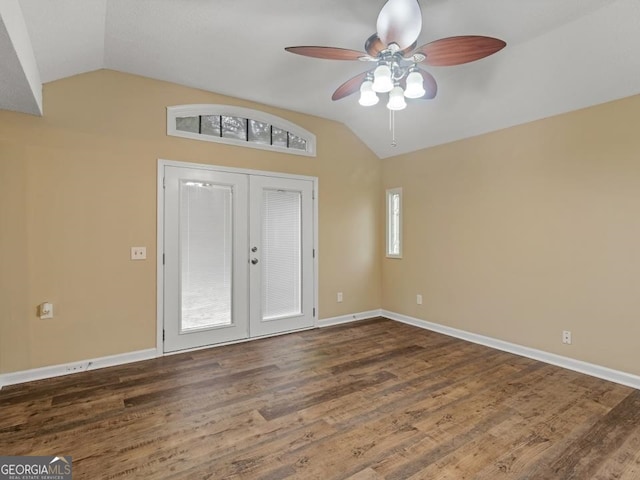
[160, 240]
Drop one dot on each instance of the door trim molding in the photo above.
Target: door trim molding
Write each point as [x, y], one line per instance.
[162, 163]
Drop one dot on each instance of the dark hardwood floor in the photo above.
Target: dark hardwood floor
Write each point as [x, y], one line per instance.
[370, 400]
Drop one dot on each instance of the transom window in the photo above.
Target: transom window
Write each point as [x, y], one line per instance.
[239, 126]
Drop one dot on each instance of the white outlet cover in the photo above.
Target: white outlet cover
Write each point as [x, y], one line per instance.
[45, 310]
[138, 253]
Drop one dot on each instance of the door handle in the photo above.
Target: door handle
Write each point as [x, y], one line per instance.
[254, 261]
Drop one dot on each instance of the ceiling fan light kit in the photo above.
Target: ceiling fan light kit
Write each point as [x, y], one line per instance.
[393, 49]
[393, 68]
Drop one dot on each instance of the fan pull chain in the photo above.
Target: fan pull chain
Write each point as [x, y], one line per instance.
[392, 127]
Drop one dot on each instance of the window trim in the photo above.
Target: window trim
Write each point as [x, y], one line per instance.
[390, 193]
[176, 111]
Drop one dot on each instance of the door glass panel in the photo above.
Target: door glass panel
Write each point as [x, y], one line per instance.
[206, 247]
[281, 256]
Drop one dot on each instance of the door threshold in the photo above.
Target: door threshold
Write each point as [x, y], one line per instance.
[234, 342]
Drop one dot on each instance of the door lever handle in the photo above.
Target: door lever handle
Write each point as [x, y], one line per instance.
[254, 261]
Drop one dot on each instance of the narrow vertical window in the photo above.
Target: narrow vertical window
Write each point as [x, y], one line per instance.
[394, 223]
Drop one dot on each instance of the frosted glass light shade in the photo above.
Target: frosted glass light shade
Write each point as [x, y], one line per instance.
[367, 96]
[396, 99]
[415, 89]
[382, 79]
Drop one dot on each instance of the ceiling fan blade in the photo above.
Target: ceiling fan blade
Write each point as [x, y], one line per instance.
[329, 53]
[349, 87]
[458, 50]
[400, 22]
[373, 46]
[428, 82]
[409, 49]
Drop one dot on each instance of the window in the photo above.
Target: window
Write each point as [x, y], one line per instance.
[239, 126]
[394, 223]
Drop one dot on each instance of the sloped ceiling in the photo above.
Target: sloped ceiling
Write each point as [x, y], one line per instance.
[561, 55]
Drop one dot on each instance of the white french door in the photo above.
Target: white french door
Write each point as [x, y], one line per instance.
[281, 240]
[238, 256]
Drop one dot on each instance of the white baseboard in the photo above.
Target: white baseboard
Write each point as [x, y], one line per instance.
[59, 370]
[110, 361]
[598, 371]
[354, 317]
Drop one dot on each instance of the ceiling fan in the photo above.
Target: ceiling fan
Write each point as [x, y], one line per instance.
[393, 49]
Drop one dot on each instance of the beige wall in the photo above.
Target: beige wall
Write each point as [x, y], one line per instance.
[14, 309]
[518, 234]
[78, 189]
[525, 232]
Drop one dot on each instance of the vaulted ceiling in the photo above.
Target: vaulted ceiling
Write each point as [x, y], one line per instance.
[561, 55]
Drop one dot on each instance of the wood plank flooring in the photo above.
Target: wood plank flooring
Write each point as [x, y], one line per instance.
[370, 400]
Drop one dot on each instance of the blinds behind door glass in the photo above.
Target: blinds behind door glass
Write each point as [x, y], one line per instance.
[281, 254]
[206, 243]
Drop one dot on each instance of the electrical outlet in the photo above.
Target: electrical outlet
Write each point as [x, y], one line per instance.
[138, 253]
[45, 310]
[419, 299]
[566, 337]
[339, 297]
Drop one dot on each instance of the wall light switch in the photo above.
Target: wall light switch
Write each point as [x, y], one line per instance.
[339, 297]
[419, 299]
[138, 253]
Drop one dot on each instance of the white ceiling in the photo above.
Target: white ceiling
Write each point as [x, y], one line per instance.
[561, 55]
